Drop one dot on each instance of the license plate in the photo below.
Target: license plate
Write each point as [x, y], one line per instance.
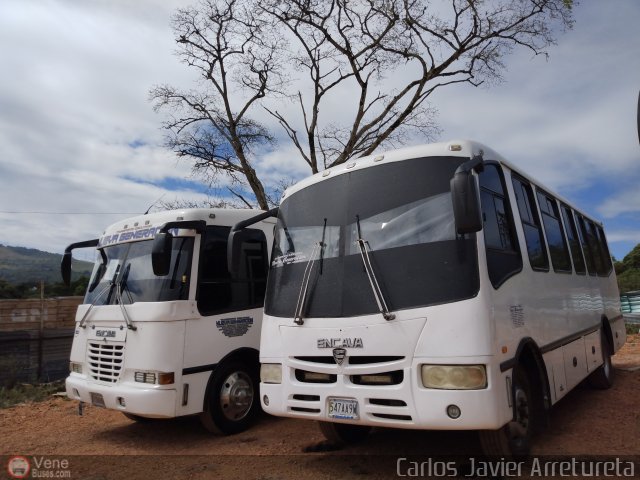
[98, 400]
[343, 408]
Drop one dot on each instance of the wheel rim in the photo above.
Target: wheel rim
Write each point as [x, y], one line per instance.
[519, 428]
[236, 396]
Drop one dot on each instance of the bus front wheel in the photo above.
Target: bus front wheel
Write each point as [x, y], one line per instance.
[232, 401]
[344, 433]
[514, 439]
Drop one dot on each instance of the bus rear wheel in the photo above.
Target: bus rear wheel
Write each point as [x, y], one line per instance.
[232, 401]
[514, 439]
[344, 433]
[602, 378]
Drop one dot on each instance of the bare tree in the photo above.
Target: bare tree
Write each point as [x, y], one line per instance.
[237, 58]
[377, 62]
[360, 44]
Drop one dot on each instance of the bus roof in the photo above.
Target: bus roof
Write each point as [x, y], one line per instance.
[144, 227]
[453, 148]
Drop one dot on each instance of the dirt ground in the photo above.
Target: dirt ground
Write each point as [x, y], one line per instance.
[103, 444]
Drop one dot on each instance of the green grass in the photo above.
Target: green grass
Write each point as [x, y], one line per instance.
[24, 393]
[632, 328]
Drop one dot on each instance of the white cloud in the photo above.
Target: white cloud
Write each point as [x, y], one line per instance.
[569, 120]
[77, 130]
[624, 236]
[627, 201]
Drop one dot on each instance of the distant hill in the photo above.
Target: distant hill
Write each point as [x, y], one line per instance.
[27, 265]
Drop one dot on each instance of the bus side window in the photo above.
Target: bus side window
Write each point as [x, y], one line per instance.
[574, 243]
[214, 281]
[250, 290]
[217, 291]
[586, 246]
[558, 250]
[605, 251]
[503, 255]
[596, 248]
[531, 225]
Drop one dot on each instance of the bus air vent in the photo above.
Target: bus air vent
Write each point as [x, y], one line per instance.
[388, 416]
[387, 402]
[383, 378]
[367, 359]
[315, 377]
[105, 361]
[307, 398]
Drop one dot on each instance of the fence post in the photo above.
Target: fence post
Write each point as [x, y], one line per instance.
[41, 332]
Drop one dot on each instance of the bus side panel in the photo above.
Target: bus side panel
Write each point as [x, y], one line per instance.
[554, 362]
[593, 351]
[619, 333]
[196, 385]
[575, 363]
[207, 341]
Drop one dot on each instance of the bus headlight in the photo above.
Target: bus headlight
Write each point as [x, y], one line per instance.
[75, 367]
[454, 377]
[271, 373]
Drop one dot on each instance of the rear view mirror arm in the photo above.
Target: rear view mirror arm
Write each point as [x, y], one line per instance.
[65, 265]
[250, 221]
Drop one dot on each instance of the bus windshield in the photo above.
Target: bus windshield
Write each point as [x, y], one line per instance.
[403, 210]
[129, 266]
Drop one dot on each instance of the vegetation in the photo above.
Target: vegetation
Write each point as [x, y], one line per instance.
[628, 271]
[32, 289]
[22, 270]
[23, 393]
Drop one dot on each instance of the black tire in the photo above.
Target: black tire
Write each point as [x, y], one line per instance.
[602, 378]
[232, 399]
[138, 418]
[514, 439]
[344, 433]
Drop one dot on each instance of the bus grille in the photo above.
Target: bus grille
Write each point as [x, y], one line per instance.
[105, 361]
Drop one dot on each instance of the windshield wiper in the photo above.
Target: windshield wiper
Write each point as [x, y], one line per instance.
[368, 266]
[107, 288]
[302, 296]
[120, 286]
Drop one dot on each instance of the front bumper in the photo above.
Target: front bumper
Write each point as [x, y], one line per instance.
[138, 400]
[406, 405]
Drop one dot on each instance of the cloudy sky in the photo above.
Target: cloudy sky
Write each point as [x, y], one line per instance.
[80, 146]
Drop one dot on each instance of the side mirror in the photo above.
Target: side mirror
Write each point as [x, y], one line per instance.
[161, 254]
[65, 265]
[65, 268]
[240, 242]
[466, 202]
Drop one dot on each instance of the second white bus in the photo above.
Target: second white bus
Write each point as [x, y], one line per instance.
[434, 287]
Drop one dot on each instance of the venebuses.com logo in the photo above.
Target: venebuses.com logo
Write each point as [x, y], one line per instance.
[18, 467]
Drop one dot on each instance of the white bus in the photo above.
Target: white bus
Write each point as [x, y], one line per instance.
[434, 287]
[164, 330]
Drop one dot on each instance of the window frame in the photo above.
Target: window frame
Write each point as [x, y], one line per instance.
[571, 215]
[249, 283]
[535, 214]
[604, 246]
[515, 251]
[551, 198]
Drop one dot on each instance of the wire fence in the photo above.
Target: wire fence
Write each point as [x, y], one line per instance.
[35, 339]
